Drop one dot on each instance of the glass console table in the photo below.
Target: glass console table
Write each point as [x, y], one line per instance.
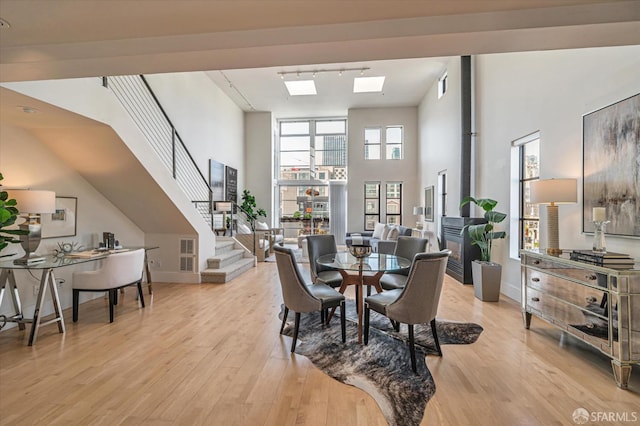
[47, 279]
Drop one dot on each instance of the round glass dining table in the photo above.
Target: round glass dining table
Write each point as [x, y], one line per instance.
[360, 272]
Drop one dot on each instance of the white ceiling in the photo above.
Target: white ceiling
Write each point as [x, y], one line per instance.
[408, 41]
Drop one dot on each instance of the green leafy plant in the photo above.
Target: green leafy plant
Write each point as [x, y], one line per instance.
[483, 234]
[8, 215]
[297, 214]
[250, 209]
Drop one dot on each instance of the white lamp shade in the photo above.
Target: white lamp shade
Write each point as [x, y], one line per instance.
[557, 191]
[33, 201]
[417, 211]
[223, 206]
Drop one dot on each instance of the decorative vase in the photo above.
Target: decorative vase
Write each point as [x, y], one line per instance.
[486, 280]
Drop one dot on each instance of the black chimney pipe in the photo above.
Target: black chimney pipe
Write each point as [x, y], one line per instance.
[465, 142]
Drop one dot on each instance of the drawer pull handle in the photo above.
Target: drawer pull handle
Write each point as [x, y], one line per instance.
[591, 299]
[536, 262]
[535, 279]
[591, 277]
[535, 299]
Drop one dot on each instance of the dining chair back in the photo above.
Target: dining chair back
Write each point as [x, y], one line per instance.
[319, 245]
[406, 247]
[301, 297]
[417, 302]
[118, 270]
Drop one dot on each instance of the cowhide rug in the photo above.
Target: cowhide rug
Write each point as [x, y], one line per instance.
[383, 367]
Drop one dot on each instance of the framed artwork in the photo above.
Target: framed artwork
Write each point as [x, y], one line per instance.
[216, 180]
[610, 167]
[428, 204]
[231, 184]
[63, 222]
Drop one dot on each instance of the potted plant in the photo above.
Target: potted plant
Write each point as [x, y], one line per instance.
[250, 210]
[486, 274]
[8, 216]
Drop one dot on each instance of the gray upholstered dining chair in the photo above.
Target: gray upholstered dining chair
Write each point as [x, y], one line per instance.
[406, 247]
[300, 297]
[319, 245]
[118, 270]
[416, 303]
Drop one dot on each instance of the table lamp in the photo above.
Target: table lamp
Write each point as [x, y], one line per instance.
[224, 207]
[553, 192]
[31, 204]
[418, 211]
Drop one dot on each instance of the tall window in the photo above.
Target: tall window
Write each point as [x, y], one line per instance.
[371, 205]
[393, 142]
[525, 168]
[310, 152]
[372, 143]
[394, 203]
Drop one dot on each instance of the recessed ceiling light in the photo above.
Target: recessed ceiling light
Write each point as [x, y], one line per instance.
[4, 24]
[301, 87]
[368, 84]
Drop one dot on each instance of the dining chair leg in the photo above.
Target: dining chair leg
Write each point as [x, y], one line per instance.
[112, 295]
[295, 332]
[412, 349]
[140, 295]
[366, 323]
[322, 316]
[343, 320]
[284, 319]
[76, 300]
[435, 336]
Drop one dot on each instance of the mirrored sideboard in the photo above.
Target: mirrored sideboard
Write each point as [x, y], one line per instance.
[598, 305]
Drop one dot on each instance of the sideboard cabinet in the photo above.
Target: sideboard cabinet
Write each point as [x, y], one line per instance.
[598, 305]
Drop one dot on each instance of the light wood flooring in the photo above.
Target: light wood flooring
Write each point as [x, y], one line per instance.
[211, 354]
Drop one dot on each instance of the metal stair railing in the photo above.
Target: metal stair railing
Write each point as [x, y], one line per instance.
[137, 98]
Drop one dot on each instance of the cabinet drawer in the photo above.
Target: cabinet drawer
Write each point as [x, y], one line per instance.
[568, 291]
[577, 273]
[581, 322]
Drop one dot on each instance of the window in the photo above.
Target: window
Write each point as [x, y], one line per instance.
[393, 142]
[309, 152]
[442, 85]
[394, 203]
[525, 168]
[371, 205]
[372, 143]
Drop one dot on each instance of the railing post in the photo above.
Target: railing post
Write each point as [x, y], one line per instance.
[173, 151]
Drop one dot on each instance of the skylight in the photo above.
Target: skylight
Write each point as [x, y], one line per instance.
[368, 84]
[301, 87]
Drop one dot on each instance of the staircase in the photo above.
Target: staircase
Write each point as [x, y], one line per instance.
[230, 261]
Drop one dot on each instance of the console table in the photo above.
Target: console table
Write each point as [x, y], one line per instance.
[596, 304]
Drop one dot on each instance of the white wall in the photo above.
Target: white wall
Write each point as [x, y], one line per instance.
[440, 133]
[27, 163]
[209, 123]
[519, 93]
[361, 170]
[259, 155]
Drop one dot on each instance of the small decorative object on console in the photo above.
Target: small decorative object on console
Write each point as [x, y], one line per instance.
[609, 260]
[599, 222]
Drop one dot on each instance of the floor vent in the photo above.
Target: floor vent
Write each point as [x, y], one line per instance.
[187, 255]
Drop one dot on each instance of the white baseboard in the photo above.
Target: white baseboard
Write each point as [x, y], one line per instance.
[175, 277]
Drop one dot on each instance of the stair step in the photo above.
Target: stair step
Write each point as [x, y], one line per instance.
[225, 258]
[227, 273]
[223, 246]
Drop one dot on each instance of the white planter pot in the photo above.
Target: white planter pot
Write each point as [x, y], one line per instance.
[486, 280]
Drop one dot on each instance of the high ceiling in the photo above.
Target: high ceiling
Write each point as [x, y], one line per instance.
[252, 40]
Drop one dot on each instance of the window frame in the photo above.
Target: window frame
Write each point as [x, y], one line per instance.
[371, 214]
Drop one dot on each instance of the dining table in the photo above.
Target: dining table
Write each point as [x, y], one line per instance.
[360, 272]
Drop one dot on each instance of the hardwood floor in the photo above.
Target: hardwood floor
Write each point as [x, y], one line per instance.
[211, 354]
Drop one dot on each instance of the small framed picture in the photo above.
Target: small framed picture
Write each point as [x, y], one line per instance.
[428, 204]
[61, 223]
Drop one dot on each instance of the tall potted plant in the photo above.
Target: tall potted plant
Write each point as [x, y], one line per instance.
[250, 209]
[486, 274]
